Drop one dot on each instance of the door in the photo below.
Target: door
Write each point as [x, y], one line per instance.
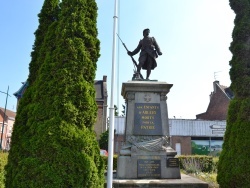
[178, 148]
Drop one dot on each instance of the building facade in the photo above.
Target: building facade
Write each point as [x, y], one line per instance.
[218, 104]
[101, 100]
[191, 136]
[6, 130]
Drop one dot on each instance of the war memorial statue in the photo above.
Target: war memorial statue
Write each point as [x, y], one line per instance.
[149, 52]
[147, 152]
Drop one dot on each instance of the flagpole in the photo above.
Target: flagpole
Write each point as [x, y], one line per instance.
[112, 112]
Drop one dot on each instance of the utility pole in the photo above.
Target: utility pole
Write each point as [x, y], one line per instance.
[7, 94]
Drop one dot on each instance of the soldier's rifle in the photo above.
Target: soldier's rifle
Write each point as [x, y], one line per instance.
[134, 61]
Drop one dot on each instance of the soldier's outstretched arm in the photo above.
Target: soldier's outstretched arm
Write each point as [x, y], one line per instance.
[138, 48]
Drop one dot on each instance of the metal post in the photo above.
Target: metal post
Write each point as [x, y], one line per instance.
[111, 112]
[7, 94]
[118, 64]
[104, 115]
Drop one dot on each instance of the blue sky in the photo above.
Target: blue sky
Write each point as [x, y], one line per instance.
[194, 37]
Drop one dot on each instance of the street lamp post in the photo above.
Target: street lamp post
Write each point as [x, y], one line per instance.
[7, 94]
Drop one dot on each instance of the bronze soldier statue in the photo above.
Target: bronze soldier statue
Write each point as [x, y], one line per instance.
[149, 52]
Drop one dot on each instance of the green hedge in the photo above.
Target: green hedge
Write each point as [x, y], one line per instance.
[3, 162]
[105, 158]
[215, 163]
[194, 163]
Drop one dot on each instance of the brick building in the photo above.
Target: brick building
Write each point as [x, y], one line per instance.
[101, 100]
[219, 102]
[6, 130]
[192, 136]
[205, 134]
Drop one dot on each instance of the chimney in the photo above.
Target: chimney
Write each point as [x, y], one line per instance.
[104, 78]
[215, 85]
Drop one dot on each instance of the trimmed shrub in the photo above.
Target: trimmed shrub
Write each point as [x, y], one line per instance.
[215, 164]
[3, 162]
[104, 140]
[196, 163]
[105, 159]
[53, 142]
[233, 166]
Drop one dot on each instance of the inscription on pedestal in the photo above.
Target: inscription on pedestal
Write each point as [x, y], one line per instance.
[147, 119]
[147, 168]
[172, 162]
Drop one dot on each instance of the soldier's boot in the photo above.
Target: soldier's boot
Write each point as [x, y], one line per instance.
[148, 74]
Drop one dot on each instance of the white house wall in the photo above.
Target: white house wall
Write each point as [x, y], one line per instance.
[119, 125]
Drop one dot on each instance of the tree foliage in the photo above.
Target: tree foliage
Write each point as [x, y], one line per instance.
[123, 110]
[3, 162]
[234, 163]
[104, 140]
[47, 16]
[116, 113]
[21, 134]
[55, 132]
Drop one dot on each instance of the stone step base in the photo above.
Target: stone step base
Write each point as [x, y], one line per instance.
[185, 182]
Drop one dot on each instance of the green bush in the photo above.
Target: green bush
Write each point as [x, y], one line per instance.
[215, 164]
[53, 142]
[105, 159]
[233, 166]
[194, 163]
[104, 140]
[3, 162]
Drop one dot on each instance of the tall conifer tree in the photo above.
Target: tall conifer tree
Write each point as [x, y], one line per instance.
[234, 163]
[64, 151]
[20, 137]
[47, 16]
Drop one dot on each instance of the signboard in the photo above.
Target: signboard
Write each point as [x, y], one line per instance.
[147, 120]
[217, 126]
[218, 129]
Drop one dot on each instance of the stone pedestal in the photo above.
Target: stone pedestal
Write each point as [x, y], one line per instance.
[147, 152]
